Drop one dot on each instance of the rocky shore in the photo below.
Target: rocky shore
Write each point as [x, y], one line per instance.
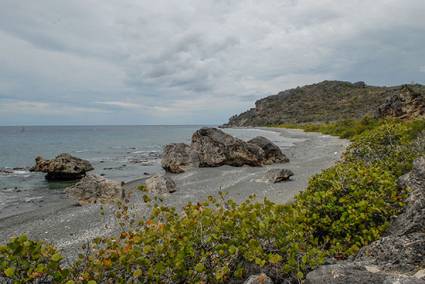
[68, 225]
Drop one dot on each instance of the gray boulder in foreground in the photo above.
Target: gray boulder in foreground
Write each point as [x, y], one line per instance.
[272, 152]
[176, 158]
[94, 189]
[259, 279]
[160, 184]
[278, 175]
[213, 148]
[399, 256]
[63, 167]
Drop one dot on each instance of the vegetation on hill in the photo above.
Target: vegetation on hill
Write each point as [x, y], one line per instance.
[322, 102]
[218, 241]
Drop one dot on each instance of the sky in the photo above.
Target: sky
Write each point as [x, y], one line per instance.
[190, 61]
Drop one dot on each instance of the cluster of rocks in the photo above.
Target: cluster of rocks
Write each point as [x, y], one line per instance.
[399, 256]
[212, 147]
[406, 104]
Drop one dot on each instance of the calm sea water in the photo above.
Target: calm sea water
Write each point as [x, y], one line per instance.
[118, 152]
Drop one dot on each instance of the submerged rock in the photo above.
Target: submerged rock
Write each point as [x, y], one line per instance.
[278, 175]
[272, 152]
[94, 188]
[212, 148]
[259, 279]
[399, 255]
[176, 158]
[63, 167]
[160, 184]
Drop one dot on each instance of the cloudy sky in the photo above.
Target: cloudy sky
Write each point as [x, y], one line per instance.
[192, 61]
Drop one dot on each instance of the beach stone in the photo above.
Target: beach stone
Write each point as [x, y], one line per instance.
[259, 279]
[94, 188]
[213, 148]
[176, 158]
[272, 152]
[160, 184]
[399, 254]
[278, 175]
[63, 167]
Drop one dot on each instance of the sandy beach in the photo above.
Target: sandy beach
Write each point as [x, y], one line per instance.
[68, 226]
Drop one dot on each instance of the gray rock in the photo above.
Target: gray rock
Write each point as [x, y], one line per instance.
[258, 279]
[94, 188]
[176, 158]
[395, 257]
[212, 148]
[160, 184]
[278, 175]
[272, 152]
[356, 273]
[63, 167]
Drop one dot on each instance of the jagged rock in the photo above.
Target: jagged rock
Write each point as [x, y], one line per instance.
[212, 148]
[160, 184]
[259, 279]
[63, 167]
[406, 104]
[176, 158]
[94, 188]
[357, 273]
[396, 256]
[278, 175]
[272, 152]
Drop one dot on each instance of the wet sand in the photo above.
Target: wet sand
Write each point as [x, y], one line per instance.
[69, 226]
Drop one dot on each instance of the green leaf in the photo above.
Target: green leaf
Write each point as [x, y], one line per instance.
[9, 272]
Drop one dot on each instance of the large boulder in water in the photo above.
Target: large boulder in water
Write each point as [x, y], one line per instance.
[176, 158]
[272, 152]
[213, 148]
[160, 184]
[63, 167]
[94, 188]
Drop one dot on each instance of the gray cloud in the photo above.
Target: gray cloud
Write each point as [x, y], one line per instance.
[188, 61]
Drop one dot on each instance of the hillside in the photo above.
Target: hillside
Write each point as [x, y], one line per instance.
[321, 102]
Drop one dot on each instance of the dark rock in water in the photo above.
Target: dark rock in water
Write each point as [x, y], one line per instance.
[278, 175]
[396, 256]
[406, 104]
[212, 148]
[272, 152]
[176, 158]
[259, 279]
[6, 171]
[160, 184]
[63, 167]
[146, 174]
[94, 188]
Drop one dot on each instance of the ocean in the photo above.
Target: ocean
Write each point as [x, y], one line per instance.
[122, 153]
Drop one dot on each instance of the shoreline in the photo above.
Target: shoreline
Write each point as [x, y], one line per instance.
[68, 226]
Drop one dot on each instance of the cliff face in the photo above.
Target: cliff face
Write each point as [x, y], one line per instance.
[321, 102]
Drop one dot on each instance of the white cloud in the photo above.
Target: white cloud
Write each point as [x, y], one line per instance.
[190, 60]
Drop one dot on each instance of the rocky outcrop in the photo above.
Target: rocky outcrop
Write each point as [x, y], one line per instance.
[212, 148]
[63, 167]
[176, 158]
[94, 189]
[399, 255]
[321, 102]
[406, 104]
[259, 279]
[278, 175]
[160, 184]
[272, 152]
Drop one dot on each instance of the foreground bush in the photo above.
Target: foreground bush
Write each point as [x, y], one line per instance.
[344, 208]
